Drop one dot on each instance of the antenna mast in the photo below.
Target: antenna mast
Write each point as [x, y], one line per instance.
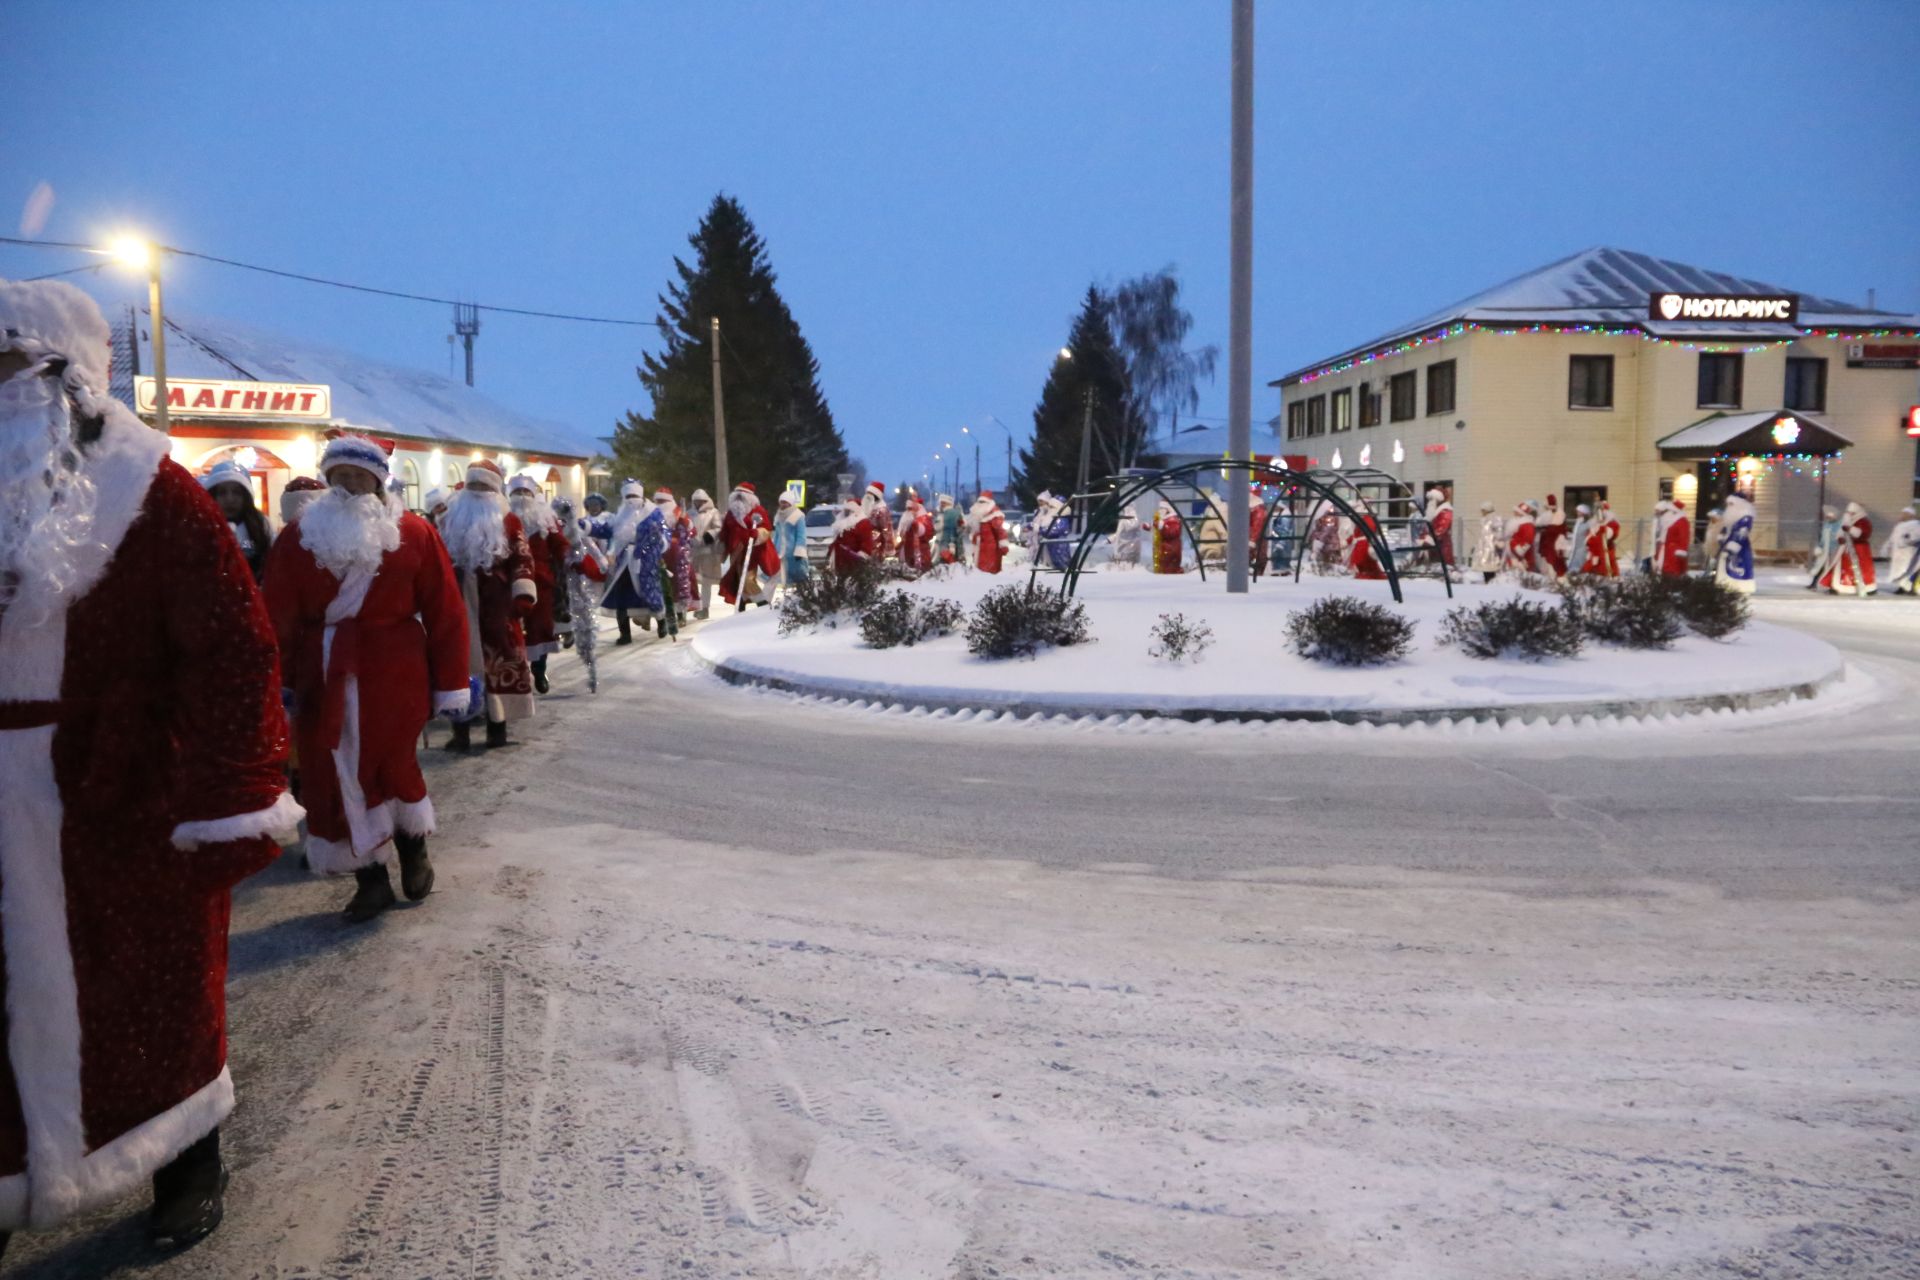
[466, 323]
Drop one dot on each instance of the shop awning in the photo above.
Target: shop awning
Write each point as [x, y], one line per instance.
[1775, 433]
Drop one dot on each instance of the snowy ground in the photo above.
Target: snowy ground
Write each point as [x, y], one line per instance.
[720, 984]
[1249, 667]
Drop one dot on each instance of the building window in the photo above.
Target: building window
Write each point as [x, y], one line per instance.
[1720, 380]
[1369, 405]
[1401, 391]
[1317, 416]
[1296, 414]
[1439, 388]
[1590, 382]
[1806, 384]
[1575, 494]
[1343, 410]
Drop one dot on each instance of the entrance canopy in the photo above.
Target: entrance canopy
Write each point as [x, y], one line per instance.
[1776, 433]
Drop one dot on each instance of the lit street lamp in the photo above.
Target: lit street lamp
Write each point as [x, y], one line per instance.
[141, 254]
[968, 432]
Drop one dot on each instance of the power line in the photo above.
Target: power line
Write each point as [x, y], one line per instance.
[343, 284]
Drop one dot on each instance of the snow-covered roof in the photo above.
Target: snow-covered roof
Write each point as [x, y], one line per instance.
[1756, 434]
[1611, 287]
[368, 394]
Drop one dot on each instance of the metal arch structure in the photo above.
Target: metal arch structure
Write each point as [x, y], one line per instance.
[1293, 484]
[1391, 493]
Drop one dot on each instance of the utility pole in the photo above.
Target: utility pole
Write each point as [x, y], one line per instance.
[976, 466]
[1086, 443]
[466, 323]
[161, 419]
[1240, 331]
[721, 487]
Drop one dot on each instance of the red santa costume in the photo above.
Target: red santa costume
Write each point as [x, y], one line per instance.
[1851, 572]
[1609, 528]
[142, 754]
[547, 544]
[1588, 543]
[989, 530]
[374, 636]
[1168, 550]
[1520, 540]
[874, 503]
[1672, 537]
[494, 567]
[1360, 557]
[1440, 525]
[1551, 552]
[747, 531]
[854, 542]
[916, 535]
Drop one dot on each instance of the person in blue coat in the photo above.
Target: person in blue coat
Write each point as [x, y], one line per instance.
[790, 539]
[638, 541]
[1733, 566]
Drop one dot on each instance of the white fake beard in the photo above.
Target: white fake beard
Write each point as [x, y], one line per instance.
[475, 528]
[345, 532]
[632, 512]
[46, 500]
[848, 517]
[739, 506]
[536, 514]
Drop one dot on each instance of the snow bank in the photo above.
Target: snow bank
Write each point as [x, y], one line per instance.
[1249, 669]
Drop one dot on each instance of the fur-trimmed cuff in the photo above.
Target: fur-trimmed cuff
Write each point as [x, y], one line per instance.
[451, 702]
[280, 820]
[525, 587]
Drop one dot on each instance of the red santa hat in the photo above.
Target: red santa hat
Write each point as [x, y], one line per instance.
[1552, 501]
[486, 473]
[349, 449]
[663, 495]
[746, 486]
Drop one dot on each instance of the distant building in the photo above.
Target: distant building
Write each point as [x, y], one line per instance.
[1615, 375]
[268, 400]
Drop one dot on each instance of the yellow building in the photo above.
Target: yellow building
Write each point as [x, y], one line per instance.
[267, 401]
[1616, 375]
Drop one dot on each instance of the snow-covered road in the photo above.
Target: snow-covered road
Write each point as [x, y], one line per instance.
[719, 983]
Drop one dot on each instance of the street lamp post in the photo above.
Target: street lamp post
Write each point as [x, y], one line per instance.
[1004, 427]
[1240, 320]
[142, 255]
[968, 432]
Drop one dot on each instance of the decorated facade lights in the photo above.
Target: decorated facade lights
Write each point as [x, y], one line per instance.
[1462, 327]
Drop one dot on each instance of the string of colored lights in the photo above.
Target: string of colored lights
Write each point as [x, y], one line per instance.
[1462, 327]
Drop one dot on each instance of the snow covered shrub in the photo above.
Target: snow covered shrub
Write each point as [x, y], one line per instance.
[1706, 605]
[1016, 621]
[1634, 612]
[821, 599]
[1515, 628]
[902, 619]
[1349, 632]
[1175, 639]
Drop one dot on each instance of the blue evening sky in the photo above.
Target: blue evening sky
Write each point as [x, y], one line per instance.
[939, 182]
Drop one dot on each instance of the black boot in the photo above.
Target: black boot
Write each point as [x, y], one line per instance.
[626, 627]
[189, 1195]
[416, 869]
[496, 733]
[374, 895]
[462, 739]
[540, 674]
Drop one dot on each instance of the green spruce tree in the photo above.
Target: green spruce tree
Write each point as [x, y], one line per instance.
[779, 427]
[1092, 365]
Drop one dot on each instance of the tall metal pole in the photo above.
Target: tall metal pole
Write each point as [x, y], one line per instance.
[1086, 444]
[160, 417]
[1240, 332]
[721, 487]
[976, 466]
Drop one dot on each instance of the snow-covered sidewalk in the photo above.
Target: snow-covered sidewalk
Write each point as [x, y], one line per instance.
[1249, 668]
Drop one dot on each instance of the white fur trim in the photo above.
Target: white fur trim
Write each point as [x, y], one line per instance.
[448, 702]
[525, 587]
[337, 857]
[281, 820]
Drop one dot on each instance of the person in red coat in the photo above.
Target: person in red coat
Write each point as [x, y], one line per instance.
[1672, 538]
[854, 542]
[1360, 556]
[142, 755]
[874, 504]
[547, 544]
[1608, 525]
[1440, 526]
[916, 535]
[374, 636]
[1550, 535]
[747, 535]
[494, 567]
[1520, 540]
[989, 534]
[1851, 572]
[1169, 551]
